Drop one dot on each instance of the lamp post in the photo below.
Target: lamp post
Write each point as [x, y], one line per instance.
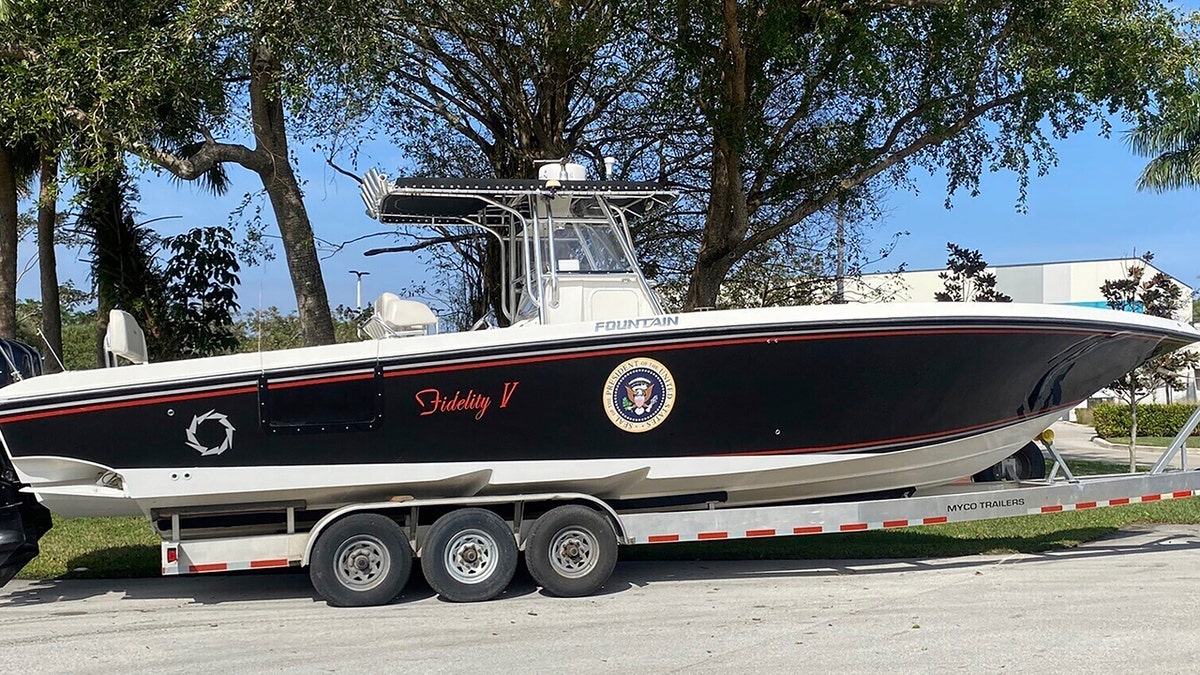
[358, 287]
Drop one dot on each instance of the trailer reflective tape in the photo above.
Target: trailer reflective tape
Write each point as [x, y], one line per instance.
[1151, 498]
[713, 535]
[760, 533]
[211, 567]
[1052, 509]
[1085, 505]
[853, 527]
[936, 520]
[662, 538]
[812, 529]
[1119, 501]
[895, 523]
[1182, 494]
[262, 564]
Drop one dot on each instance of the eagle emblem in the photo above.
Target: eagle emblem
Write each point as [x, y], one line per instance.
[639, 394]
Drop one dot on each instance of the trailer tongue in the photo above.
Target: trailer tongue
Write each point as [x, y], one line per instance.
[23, 521]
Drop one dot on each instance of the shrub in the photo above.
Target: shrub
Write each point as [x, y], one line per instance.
[1154, 419]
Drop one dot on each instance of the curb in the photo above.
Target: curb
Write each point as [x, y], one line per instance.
[1140, 448]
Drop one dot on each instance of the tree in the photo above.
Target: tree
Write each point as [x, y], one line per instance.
[491, 87]
[1172, 140]
[783, 108]
[111, 68]
[18, 163]
[1159, 295]
[201, 293]
[966, 278]
[47, 221]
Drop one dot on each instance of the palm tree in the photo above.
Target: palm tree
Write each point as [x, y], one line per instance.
[1172, 141]
[18, 164]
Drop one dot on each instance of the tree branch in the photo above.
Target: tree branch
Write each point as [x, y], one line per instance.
[428, 243]
[209, 155]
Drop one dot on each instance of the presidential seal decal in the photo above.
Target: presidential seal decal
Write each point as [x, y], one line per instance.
[639, 394]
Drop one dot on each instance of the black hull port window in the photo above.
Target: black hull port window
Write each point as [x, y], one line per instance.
[322, 404]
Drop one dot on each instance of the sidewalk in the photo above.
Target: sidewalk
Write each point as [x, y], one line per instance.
[1076, 441]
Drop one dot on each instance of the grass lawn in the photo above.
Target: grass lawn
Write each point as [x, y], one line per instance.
[127, 547]
[1152, 441]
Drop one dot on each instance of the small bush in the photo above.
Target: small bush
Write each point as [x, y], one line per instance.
[1112, 420]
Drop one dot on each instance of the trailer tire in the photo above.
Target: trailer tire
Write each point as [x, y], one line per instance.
[571, 551]
[1028, 463]
[469, 555]
[361, 560]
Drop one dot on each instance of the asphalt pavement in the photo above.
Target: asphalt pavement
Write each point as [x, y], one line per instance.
[1077, 441]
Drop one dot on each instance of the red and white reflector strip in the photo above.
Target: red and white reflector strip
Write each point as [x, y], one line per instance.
[224, 566]
[1120, 501]
[828, 528]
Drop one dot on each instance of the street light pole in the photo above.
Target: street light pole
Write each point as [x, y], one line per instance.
[358, 287]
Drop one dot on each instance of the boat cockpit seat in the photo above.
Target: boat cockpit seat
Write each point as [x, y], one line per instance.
[396, 317]
[125, 339]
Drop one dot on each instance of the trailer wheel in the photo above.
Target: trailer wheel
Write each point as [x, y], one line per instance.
[362, 560]
[1028, 463]
[469, 555]
[571, 551]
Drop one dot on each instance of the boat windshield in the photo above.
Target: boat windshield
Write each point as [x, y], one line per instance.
[588, 247]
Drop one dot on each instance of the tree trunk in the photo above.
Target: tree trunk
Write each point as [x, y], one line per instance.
[8, 245]
[727, 219]
[726, 222]
[287, 200]
[47, 265]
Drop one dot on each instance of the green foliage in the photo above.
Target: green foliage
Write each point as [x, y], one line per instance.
[201, 292]
[271, 329]
[1113, 421]
[1159, 296]
[1171, 138]
[966, 278]
[784, 107]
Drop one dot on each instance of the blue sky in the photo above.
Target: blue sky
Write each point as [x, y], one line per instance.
[1087, 207]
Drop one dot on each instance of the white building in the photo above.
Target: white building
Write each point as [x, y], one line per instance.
[1057, 283]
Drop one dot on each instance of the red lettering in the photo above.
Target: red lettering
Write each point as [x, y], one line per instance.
[432, 406]
[509, 389]
[432, 401]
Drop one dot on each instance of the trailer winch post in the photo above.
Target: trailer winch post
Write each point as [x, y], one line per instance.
[1178, 444]
[1046, 438]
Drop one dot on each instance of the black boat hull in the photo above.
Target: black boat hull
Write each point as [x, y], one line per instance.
[728, 397]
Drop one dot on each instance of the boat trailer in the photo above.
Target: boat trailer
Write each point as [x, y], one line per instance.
[469, 546]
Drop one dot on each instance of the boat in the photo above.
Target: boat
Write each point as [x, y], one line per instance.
[591, 387]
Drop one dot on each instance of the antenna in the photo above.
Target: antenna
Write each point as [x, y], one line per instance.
[50, 348]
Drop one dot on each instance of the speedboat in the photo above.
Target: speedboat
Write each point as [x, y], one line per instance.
[591, 387]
